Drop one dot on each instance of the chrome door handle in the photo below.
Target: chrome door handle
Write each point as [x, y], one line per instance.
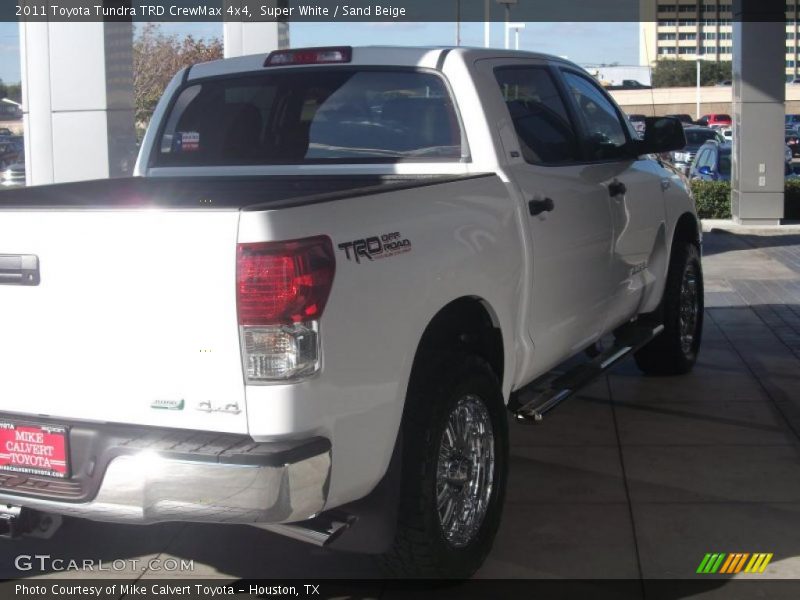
[665, 184]
[19, 269]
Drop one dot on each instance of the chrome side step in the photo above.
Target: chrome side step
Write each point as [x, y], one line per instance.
[530, 403]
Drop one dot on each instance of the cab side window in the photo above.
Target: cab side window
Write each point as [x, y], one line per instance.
[603, 133]
[546, 135]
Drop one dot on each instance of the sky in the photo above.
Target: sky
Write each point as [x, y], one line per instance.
[584, 43]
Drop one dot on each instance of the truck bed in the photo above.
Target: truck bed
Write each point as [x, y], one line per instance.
[131, 314]
[266, 192]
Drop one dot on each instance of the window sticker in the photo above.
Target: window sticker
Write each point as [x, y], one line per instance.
[186, 141]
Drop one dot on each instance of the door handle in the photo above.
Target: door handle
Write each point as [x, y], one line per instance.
[665, 184]
[537, 207]
[617, 188]
[19, 269]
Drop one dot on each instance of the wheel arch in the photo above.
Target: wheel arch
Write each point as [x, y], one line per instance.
[467, 323]
[686, 230]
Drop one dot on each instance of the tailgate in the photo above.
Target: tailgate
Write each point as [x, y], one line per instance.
[133, 321]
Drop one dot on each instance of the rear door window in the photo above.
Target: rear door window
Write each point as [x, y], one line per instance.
[312, 116]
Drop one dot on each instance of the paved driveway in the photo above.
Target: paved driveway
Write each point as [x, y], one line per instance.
[636, 477]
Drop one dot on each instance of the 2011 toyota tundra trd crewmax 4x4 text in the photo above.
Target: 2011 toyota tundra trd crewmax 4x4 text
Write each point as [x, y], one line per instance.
[333, 275]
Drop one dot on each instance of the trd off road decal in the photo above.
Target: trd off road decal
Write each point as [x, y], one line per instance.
[375, 247]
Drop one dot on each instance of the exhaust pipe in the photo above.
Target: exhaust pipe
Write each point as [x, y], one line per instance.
[16, 522]
[318, 531]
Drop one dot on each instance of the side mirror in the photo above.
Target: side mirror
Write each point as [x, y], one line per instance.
[661, 134]
[705, 170]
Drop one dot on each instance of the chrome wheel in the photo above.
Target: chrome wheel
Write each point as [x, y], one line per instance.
[689, 308]
[465, 471]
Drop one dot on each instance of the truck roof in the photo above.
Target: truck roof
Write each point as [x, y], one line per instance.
[429, 57]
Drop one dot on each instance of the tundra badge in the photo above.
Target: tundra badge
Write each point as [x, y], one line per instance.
[167, 404]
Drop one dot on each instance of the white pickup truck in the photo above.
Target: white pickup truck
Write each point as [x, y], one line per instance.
[334, 275]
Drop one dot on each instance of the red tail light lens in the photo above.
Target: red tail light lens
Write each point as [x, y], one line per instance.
[310, 56]
[284, 282]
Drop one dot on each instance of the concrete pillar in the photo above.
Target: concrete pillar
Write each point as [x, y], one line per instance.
[759, 94]
[241, 39]
[77, 99]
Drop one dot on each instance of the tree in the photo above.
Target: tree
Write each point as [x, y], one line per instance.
[156, 59]
[13, 91]
[683, 73]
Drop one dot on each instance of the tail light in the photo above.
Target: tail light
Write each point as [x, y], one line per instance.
[282, 289]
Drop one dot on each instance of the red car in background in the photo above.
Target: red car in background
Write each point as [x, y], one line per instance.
[715, 120]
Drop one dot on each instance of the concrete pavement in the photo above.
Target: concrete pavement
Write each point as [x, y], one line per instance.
[638, 477]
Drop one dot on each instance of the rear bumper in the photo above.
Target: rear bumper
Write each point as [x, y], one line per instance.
[130, 475]
[683, 167]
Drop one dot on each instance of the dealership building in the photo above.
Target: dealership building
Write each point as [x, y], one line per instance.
[702, 29]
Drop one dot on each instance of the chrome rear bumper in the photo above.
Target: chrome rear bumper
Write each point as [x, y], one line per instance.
[248, 482]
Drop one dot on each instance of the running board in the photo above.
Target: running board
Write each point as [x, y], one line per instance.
[542, 395]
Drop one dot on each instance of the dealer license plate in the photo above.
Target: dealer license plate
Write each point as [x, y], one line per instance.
[34, 449]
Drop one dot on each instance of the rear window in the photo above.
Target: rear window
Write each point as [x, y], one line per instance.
[312, 116]
[698, 138]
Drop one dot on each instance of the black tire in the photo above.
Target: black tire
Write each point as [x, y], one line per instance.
[421, 547]
[673, 352]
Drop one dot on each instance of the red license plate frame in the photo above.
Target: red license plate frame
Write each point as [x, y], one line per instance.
[34, 449]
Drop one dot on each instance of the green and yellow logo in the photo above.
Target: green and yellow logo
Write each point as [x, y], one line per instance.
[723, 563]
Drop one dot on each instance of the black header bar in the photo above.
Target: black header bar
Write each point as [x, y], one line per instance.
[389, 10]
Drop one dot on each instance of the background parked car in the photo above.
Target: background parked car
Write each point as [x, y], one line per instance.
[715, 120]
[713, 162]
[684, 118]
[792, 140]
[695, 138]
[19, 142]
[793, 122]
[638, 122]
[13, 176]
[629, 84]
[10, 153]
